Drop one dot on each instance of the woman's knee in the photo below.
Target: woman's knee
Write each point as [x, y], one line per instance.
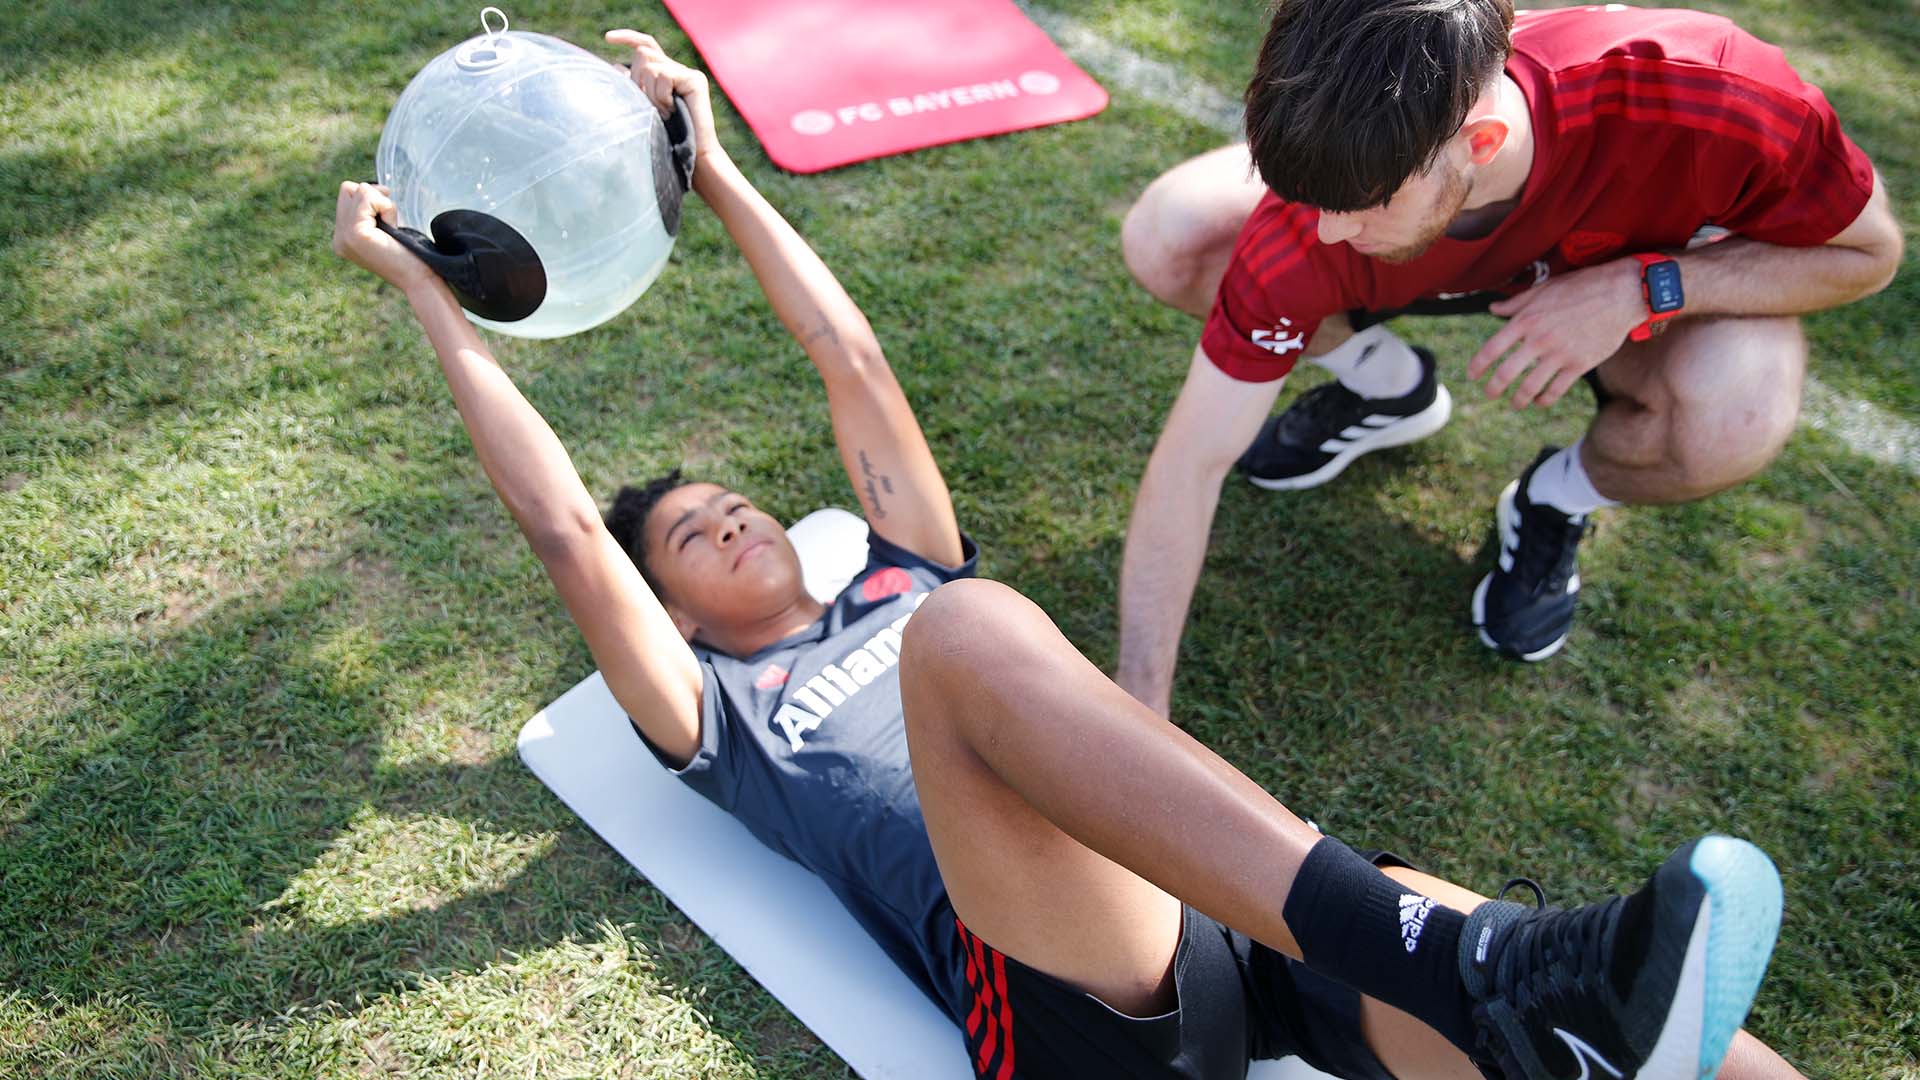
[958, 632]
[959, 645]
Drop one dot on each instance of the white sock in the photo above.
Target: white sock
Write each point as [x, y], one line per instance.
[1374, 363]
[1561, 482]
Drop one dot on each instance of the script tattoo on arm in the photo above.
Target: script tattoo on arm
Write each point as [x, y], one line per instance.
[875, 482]
[825, 330]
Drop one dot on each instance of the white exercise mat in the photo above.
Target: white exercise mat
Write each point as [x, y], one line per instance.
[776, 919]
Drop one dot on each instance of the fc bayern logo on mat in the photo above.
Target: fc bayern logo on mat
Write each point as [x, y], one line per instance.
[773, 678]
[889, 582]
[812, 122]
[1039, 82]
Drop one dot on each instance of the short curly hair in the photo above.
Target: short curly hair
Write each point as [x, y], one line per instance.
[626, 519]
[1350, 98]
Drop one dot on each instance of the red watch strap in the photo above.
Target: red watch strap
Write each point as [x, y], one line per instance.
[1651, 326]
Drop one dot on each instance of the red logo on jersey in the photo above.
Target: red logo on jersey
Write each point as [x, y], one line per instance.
[1581, 247]
[773, 678]
[889, 582]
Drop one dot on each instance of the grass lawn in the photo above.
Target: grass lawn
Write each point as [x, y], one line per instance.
[266, 636]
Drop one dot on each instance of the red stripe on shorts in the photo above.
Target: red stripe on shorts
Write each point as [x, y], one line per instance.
[1006, 1014]
[984, 998]
[973, 982]
[988, 983]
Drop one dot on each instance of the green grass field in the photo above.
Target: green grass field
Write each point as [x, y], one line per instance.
[266, 636]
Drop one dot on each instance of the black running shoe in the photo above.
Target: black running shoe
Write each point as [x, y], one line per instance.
[1650, 985]
[1330, 425]
[1524, 608]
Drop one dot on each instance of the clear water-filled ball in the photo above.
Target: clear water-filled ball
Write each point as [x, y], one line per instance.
[558, 144]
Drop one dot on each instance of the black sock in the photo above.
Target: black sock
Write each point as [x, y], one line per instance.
[1384, 939]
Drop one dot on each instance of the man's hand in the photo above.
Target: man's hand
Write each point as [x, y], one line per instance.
[1559, 330]
[359, 241]
[660, 77]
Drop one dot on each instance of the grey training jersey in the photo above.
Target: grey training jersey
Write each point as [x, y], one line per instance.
[804, 743]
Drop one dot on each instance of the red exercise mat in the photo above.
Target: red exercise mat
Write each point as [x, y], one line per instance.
[826, 83]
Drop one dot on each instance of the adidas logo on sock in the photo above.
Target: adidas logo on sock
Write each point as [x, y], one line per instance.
[1413, 918]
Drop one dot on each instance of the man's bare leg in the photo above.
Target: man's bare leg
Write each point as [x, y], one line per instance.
[1179, 234]
[1698, 409]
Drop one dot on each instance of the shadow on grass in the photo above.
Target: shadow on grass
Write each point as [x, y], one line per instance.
[156, 853]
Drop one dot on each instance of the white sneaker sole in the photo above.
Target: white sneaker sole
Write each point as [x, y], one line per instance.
[1412, 429]
[1504, 520]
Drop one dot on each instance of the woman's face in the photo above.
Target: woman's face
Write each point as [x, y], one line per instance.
[720, 560]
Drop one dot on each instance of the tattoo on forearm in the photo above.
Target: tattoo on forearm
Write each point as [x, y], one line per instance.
[874, 482]
[824, 330]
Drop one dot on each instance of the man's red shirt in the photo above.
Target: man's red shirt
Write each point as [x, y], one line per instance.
[1647, 125]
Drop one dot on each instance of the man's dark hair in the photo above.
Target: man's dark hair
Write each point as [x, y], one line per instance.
[627, 520]
[1352, 97]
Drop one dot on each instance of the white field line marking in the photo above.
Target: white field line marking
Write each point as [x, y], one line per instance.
[1865, 428]
[1163, 84]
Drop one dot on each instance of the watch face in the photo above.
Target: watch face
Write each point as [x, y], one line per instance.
[1663, 288]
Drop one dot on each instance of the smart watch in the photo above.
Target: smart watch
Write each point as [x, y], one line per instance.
[1660, 286]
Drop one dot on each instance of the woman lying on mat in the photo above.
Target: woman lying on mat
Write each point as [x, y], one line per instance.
[1086, 891]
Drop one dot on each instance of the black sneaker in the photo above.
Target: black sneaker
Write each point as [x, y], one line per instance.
[1524, 608]
[1330, 425]
[1650, 985]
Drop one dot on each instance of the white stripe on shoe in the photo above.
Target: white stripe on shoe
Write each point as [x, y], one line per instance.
[1405, 429]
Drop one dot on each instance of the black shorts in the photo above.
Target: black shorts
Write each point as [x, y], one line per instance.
[1238, 1001]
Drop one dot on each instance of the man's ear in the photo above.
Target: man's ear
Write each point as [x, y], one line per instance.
[1483, 138]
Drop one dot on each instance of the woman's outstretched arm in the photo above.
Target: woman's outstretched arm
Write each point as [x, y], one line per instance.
[886, 457]
[647, 664]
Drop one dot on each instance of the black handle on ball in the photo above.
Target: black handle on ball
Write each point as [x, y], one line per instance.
[493, 271]
[455, 270]
[680, 139]
[681, 144]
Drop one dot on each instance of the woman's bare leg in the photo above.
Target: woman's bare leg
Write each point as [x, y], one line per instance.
[1027, 755]
[1066, 817]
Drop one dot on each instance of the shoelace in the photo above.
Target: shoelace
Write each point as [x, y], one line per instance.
[1560, 956]
[1552, 968]
[1307, 420]
[1548, 541]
